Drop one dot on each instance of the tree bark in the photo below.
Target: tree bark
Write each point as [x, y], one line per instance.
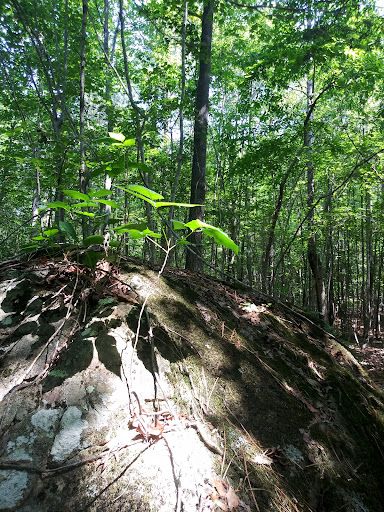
[312, 251]
[198, 178]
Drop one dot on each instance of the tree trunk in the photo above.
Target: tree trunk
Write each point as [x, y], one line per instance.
[171, 255]
[109, 54]
[198, 179]
[108, 180]
[268, 253]
[367, 291]
[312, 252]
[84, 178]
[140, 118]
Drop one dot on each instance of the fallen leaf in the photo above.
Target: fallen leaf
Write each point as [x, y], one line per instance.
[217, 502]
[221, 488]
[232, 499]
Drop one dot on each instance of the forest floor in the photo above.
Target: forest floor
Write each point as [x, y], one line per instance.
[371, 359]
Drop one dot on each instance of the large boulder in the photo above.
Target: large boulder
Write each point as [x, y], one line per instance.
[123, 390]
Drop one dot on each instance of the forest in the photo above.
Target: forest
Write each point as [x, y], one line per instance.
[247, 138]
[191, 255]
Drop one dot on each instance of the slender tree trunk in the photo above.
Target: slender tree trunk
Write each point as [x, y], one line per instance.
[379, 292]
[367, 291]
[249, 259]
[198, 179]
[312, 250]
[37, 220]
[108, 180]
[109, 54]
[83, 175]
[181, 124]
[140, 118]
[56, 82]
[329, 262]
[268, 253]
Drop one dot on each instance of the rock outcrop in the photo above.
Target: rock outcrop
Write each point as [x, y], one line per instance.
[120, 390]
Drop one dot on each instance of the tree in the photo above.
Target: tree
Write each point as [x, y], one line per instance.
[198, 177]
[292, 174]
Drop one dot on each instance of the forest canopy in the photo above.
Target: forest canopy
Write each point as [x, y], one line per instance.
[266, 117]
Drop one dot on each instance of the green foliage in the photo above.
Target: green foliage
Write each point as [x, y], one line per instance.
[137, 230]
[66, 227]
[261, 60]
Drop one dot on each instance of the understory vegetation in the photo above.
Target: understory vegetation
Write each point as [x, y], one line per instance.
[121, 123]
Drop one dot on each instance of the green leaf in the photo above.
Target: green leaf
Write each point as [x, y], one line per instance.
[136, 230]
[114, 221]
[129, 142]
[140, 166]
[108, 202]
[66, 227]
[161, 204]
[117, 136]
[152, 203]
[97, 172]
[135, 234]
[148, 232]
[178, 225]
[114, 243]
[50, 232]
[55, 205]
[115, 172]
[119, 164]
[91, 258]
[195, 224]
[27, 248]
[219, 236]
[146, 192]
[92, 240]
[138, 226]
[86, 214]
[103, 140]
[40, 237]
[99, 193]
[84, 205]
[76, 195]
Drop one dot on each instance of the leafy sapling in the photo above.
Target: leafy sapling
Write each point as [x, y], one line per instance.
[156, 201]
[79, 204]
